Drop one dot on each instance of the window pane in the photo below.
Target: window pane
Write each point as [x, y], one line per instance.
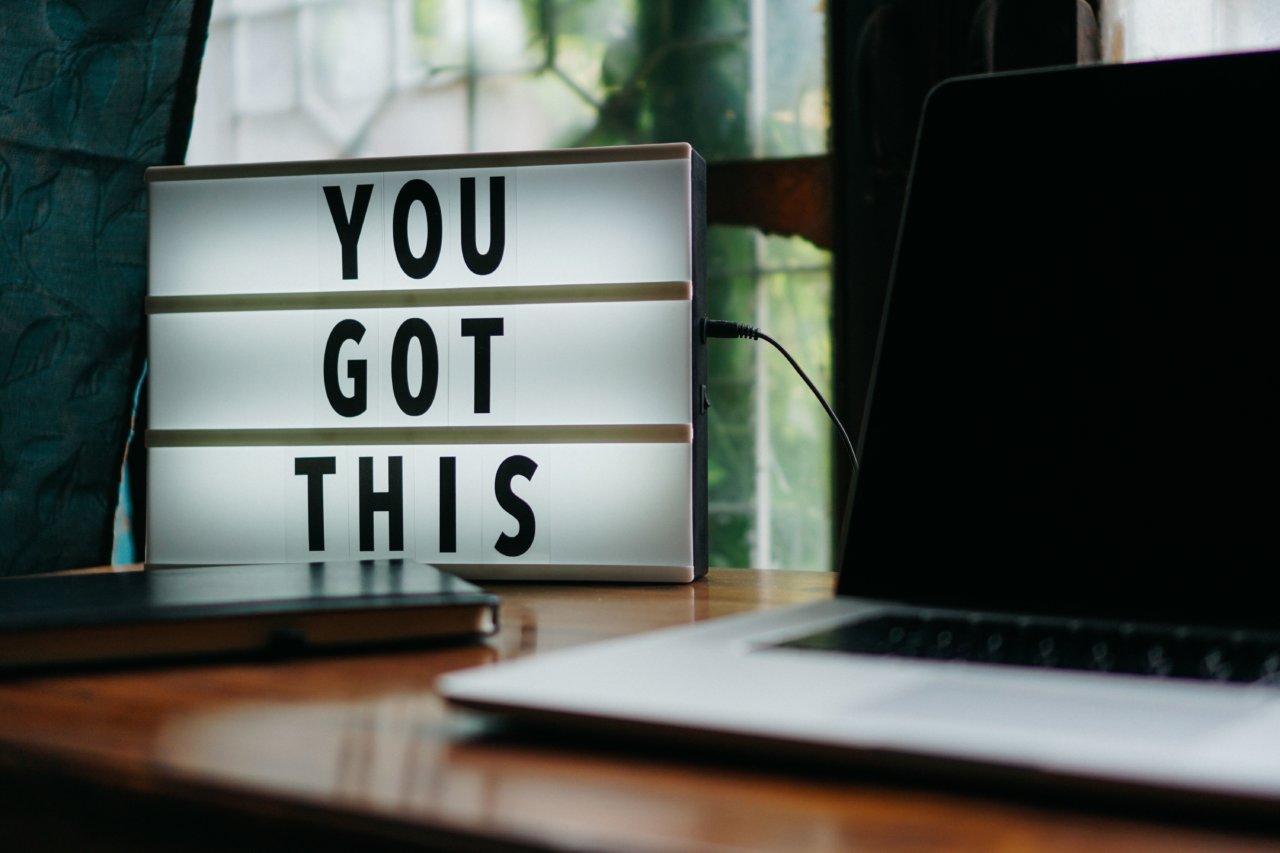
[1135, 30]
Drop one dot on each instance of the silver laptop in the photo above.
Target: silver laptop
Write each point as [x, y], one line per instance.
[1063, 539]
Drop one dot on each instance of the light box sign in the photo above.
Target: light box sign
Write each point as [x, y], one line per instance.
[488, 362]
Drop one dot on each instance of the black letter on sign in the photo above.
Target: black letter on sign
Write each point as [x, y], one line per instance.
[448, 504]
[417, 266]
[315, 468]
[511, 467]
[348, 407]
[488, 262]
[391, 502]
[348, 229]
[482, 329]
[414, 327]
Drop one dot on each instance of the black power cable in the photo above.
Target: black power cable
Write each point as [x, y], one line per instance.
[729, 329]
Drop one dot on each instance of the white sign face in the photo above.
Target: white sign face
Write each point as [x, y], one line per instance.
[484, 362]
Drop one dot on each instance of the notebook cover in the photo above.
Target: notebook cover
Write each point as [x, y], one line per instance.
[172, 612]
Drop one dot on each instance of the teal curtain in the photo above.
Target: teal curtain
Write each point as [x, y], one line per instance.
[91, 93]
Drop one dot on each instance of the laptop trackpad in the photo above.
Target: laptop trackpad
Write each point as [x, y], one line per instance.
[1063, 711]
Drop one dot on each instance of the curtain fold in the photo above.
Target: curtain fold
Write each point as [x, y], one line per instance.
[91, 94]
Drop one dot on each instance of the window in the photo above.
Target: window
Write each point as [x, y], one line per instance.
[1157, 29]
[739, 79]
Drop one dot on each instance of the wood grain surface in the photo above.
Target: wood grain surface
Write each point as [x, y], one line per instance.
[356, 751]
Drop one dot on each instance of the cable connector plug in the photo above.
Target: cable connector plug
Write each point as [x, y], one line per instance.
[728, 329]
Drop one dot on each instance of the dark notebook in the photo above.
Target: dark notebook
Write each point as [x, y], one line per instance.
[165, 613]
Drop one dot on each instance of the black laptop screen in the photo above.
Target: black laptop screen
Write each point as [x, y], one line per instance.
[1073, 409]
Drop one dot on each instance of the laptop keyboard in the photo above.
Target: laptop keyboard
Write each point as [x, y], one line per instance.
[1061, 645]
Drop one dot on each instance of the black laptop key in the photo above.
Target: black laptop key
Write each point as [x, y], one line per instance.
[1060, 645]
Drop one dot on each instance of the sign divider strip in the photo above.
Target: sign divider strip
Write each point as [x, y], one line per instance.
[650, 291]
[336, 436]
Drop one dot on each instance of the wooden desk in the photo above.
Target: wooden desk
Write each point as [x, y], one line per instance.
[358, 752]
